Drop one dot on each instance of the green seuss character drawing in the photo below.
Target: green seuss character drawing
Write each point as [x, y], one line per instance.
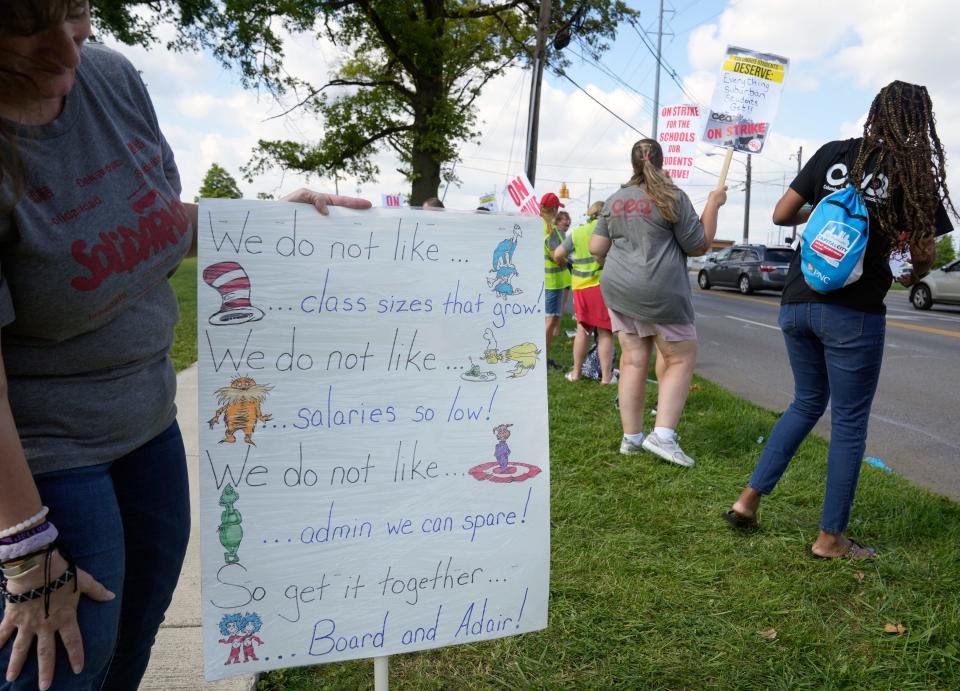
[240, 408]
[476, 374]
[230, 530]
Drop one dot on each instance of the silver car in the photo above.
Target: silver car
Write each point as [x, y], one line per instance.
[941, 285]
[747, 268]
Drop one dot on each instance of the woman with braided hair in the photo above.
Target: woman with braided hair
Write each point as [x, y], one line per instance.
[643, 237]
[835, 340]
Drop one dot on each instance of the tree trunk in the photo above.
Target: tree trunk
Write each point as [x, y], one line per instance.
[426, 182]
[430, 94]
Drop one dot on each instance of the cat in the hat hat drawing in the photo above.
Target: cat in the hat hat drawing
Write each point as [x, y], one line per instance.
[230, 279]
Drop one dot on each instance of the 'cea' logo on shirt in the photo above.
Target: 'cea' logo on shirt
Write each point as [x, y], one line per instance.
[630, 207]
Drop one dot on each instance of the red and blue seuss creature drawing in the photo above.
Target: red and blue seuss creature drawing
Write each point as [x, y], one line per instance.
[239, 633]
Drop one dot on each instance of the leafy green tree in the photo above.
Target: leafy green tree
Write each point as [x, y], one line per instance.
[411, 79]
[946, 252]
[219, 184]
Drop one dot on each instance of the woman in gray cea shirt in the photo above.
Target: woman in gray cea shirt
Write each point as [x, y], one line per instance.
[645, 233]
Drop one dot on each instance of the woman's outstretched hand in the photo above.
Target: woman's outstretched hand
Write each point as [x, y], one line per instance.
[321, 200]
[29, 621]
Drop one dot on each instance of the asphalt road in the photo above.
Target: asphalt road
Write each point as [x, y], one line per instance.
[914, 425]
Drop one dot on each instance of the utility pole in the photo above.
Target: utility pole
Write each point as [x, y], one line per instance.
[656, 83]
[533, 117]
[589, 190]
[746, 207]
[799, 160]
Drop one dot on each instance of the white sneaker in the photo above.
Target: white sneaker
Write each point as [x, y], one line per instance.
[667, 450]
[628, 447]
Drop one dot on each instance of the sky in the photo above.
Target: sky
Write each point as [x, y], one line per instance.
[840, 55]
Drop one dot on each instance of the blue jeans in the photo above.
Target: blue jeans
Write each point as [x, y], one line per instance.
[127, 523]
[553, 302]
[835, 354]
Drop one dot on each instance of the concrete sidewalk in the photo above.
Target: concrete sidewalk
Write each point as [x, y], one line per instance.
[176, 663]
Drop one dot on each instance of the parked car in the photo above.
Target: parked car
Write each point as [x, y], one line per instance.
[747, 268]
[941, 285]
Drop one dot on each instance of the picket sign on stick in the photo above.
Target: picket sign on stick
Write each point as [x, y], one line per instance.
[726, 167]
[744, 103]
[381, 673]
[374, 453]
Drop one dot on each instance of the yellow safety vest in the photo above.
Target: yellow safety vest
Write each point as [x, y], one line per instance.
[584, 269]
[556, 277]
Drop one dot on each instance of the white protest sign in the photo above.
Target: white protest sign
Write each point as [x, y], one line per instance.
[520, 197]
[373, 439]
[678, 138]
[392, 201]
[488, 201]
[745, 100]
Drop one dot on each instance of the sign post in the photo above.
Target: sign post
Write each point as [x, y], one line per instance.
[373, 449]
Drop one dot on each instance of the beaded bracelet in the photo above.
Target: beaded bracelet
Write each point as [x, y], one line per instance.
[13, 539]
[27, 524]
[39, 591]
[30, 544]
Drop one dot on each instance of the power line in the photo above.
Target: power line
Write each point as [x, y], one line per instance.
[563, 74]
[587, 131]
[670, 70]
[607, 71]
[549, 165]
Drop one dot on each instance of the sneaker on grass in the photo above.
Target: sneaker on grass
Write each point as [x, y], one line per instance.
[627, 447]
[667, 450]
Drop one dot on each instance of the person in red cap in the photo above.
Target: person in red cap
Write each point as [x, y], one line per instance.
[556, 277]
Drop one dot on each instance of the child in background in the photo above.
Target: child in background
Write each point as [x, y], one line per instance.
[556, 277]
[563, 228]
[592, 315]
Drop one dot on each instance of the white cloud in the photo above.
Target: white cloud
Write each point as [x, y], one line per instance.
[848, 49]
[841, 54]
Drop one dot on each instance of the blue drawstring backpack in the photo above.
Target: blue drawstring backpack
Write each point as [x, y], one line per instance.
[834, 241]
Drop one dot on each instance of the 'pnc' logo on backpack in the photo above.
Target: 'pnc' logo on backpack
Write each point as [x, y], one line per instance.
[834, 241]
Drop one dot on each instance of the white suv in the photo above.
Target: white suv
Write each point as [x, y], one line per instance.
[941, 285]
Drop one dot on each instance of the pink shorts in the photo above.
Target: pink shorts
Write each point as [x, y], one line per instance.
[669, 332]
[591, 310]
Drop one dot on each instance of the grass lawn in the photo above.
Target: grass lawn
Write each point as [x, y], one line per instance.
[649, 589]
[184, 284]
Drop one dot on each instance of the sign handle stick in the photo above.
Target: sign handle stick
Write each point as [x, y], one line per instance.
[726, 166]
[381, 673]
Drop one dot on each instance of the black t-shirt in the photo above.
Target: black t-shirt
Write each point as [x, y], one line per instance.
[825, 173]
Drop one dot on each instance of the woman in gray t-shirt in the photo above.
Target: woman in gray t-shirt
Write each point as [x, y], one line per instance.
[645, 233]
[93, 474]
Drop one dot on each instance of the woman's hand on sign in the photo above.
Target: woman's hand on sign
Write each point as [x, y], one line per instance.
[321, 200]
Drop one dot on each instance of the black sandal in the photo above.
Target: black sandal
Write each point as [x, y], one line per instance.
[850, 555]
[738, 521]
